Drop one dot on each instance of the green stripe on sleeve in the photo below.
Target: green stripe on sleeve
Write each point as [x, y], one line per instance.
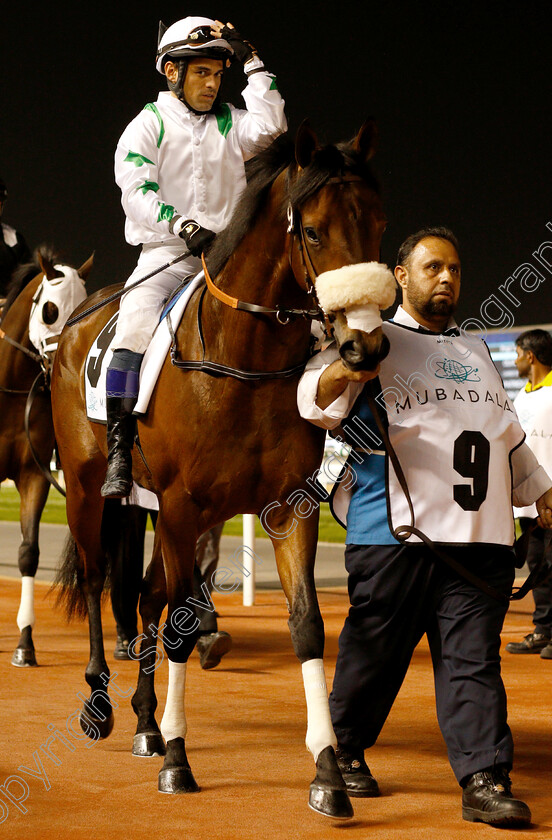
[224, 119]
[137, 159]
[147, 186]
[166, 212]
[151, 107]
[273, 85]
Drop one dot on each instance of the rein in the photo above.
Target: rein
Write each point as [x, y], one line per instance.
[32, 355]
[279, 311]
[36, 387]
[217, 369]
[116, 295]
[283, 314]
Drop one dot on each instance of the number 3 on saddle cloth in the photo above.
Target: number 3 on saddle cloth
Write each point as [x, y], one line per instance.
[100, 354]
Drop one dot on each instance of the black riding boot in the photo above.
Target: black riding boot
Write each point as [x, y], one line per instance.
[121, 426]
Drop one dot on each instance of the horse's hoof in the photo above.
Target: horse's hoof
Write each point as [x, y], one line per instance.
[148, 744]
[121, 649]
[328, 794]
[24, 658]
[330, 802]
[177, 780]
[212, 647]
[94, 727]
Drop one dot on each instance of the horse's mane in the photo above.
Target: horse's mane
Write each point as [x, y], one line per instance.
[25, 272]
[262, 170]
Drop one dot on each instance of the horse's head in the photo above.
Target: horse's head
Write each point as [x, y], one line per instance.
[61, 291]
[336, 216]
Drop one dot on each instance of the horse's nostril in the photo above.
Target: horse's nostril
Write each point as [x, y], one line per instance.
[352, 352]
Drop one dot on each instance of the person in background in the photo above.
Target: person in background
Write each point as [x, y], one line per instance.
[13, 248]
[534, 409]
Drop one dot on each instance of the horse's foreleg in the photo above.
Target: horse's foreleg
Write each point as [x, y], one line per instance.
[148, 740]
[179, 637]
[33, 491]
[294, 540]
[126, 576]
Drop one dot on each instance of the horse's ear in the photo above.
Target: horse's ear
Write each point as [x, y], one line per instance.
[366, 140]
[86, 268]
[306, 144]
[46, 266]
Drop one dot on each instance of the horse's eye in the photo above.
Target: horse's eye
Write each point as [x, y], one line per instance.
[50, 313]
[312, 235]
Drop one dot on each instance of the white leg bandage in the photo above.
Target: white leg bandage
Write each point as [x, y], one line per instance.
[320, 732]
[26, 616]
[173, 724]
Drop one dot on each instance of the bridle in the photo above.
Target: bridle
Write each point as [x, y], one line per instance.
[40, 384]
[284, 315]
[296, 229]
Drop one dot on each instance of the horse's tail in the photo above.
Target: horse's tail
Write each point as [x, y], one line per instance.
[70, 577]
[68, 582]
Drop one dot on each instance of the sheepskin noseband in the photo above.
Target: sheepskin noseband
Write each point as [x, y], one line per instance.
[361, 290]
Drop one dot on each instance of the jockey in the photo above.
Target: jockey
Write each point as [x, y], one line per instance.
[180, 167]
[13, 248]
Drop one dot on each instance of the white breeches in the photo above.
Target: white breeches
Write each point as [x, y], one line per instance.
[140, 309]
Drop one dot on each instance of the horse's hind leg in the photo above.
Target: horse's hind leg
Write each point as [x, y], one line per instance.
[294, 540]
[148, 740]
[33, 492]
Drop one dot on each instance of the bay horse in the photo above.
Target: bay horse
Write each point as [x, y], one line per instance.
[39, 307]
[224, 436]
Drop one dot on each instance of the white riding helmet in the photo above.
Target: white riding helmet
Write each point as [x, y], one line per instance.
[190, 38]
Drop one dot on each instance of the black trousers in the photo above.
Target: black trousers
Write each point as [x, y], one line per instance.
[397, 594]
[542, 594]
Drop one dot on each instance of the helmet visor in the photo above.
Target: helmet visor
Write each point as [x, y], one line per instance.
[199, 38]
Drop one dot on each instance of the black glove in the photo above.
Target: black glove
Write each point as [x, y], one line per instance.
[243, 49]
[197, 238]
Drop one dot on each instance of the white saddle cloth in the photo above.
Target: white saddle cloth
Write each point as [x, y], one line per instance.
[100, 355]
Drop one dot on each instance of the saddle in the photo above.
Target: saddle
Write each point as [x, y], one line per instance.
[100, 354]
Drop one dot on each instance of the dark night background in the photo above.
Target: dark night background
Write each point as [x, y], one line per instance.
[461, 93]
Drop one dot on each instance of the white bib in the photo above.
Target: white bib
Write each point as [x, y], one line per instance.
[453, 428]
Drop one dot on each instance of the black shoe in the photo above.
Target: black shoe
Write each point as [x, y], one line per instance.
[212, 647]
[546, 652]
[356, 775]
[121, 426]
[532, 643]
[488, 798]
